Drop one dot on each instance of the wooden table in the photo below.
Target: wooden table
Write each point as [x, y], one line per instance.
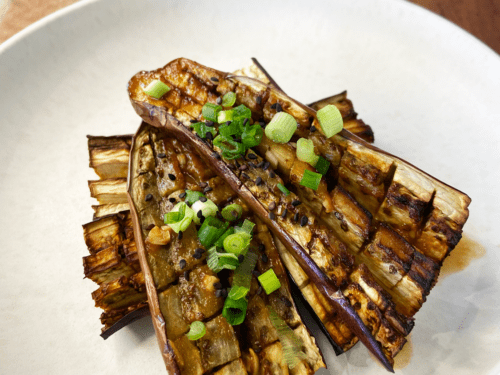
[479, 17]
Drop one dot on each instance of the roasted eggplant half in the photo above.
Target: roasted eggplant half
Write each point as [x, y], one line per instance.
[392, 208]
[182, 289]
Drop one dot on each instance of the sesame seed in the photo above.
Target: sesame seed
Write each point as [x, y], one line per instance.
[224, 292]
[237, 163]
[182, 195]
[207, 189]
[179, 235]
[303, 221]
[218, 285]
[219, 100]
[296, 217]
[252, 156]
[197, 255]
[256, 273]
[272, 174]
[273, 106]
[259, 100]
[171, 176]
[262, 124]
[193, 120]
[296, 202]
[172, 200]
[162, 155]
[199, 214]
[209, 123]
[200, 250]
[210, 136]
[283, 214]
[260, 164]
[245, 121]
[203, 199]
[258, 181]
[243, 167]
[245, 175]
[272, 206]
[278, 107]
[261, 247]
[264, 258]
[148, 197]
[313, 129]
[214, 79]
[241, 258]
[272, 216]
[182, 264]
[266, 165]
[186, 275]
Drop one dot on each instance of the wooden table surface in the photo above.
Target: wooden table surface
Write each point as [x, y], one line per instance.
[479, 17]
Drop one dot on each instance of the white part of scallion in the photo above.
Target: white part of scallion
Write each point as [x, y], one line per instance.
[207, 208]
[330, 120]
[281, 127]
[185, 221]
[305, 151]
[156, 89]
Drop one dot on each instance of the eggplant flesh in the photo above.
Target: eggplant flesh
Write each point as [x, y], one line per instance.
[388, 190]
[181, 288]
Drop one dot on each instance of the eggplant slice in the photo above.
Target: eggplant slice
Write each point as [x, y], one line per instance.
[403, 220]
[181, 287]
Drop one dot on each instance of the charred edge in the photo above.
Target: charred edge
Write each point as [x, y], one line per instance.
[126, 320]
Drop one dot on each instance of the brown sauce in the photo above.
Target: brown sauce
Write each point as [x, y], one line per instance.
[464, 254]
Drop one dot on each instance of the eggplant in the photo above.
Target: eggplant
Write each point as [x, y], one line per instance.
[181, 288]
[365, 173]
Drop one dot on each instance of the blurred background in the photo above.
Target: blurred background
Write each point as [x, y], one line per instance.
[481, 18]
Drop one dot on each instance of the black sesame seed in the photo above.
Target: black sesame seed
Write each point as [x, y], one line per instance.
[215, 79]
[264, 258]
[241, 258]
[260, 164]
[179, 235]
[283, 214]
[224, 292]
[150, 226]
[259, 100]
[243, 167]
[203, 199]
[256, 273]
[262, 124]
[272, 206]
[278, 107]
[193, 120]
[303, 221]
[252, 164]
[218, 293]
[266, 165]
[236, 162]
[245, 175]
[210, 136]
[148, 197]
[272, 174]
[172, 200]
[258, 181]
[209, 123]
[186, 275]
[272, 216]
[219, 100]
[171, 176]
[245, 121]
[296, 202]
[200, 250]
[162, 155]
[261, 247]
[296, 217]
[313, 129]
[273, 106]
[216, 155]
[197, 255]
[182, 195]
[207, 189]
[199, 214]
[218, 285]
[252, 156]
[182, 264]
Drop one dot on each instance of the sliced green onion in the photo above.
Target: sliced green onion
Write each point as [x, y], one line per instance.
[246, 227]
[305, 151]
[229, 153]
[156, 89]
[232, 212]
[283, 189]
[241, 112]
[218, 261]
[330, 120]
[269, 281]
[237, 243]
[220, 241]
[292, 344]
[228, 99]
[252, 135]
[211, 229]
[196, 330]
[181, 217]
[207, 208]
[243, 276]
[281, 127]
[192, 196]
[202, 129]
[311, 179]
[228, 130]
[225, 116]
[235, 310]
[322, 165]
[210, 111]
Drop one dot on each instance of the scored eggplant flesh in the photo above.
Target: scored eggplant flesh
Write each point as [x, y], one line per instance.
[184, 284]
[363, 171]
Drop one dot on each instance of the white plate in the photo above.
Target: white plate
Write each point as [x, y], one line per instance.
[429, 90]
